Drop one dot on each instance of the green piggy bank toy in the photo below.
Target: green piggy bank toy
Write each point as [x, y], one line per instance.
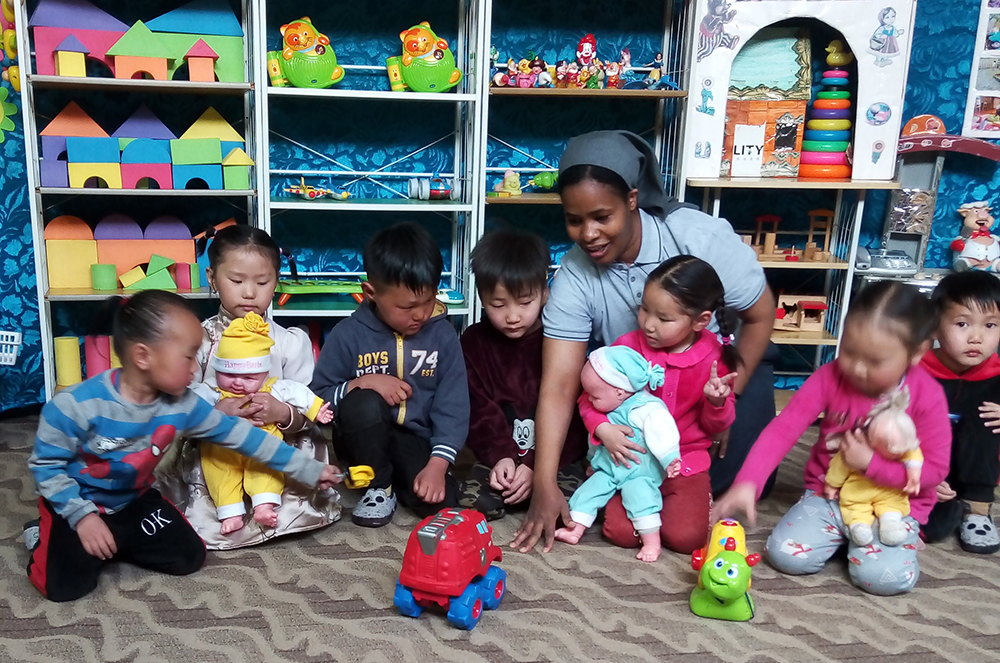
[306, 59]
[427, 65]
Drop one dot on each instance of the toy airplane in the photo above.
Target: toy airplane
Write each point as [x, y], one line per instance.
[308, 192]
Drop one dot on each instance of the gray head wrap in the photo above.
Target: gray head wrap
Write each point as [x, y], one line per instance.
[630, 157]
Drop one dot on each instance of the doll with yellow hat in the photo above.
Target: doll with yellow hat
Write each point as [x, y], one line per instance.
[242, 362]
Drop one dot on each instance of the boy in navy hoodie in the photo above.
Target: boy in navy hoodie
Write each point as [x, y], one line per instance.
[395, 374]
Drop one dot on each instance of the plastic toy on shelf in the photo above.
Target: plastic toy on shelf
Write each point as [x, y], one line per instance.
[725, 575]
[801, 313]
[307, 192]
[509, 186]
[976, 247]
[431, 188]
[427, 64]
[448, 562]
[286, 288]
[826, 143]
[544, 180]
[306, 59]
[450, 297]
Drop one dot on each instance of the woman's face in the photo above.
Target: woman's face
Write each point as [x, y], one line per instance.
[606, 227]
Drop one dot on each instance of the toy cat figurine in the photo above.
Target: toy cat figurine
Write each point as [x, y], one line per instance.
[306, 59]
[428, 65]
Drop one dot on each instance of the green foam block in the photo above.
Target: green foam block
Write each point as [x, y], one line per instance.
[158, 281]
[158, 263]
[103, 277]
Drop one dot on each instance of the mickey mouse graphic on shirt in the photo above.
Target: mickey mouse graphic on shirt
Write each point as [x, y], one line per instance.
[522, 430]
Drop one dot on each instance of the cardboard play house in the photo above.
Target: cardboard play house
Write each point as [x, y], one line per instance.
[203, 34]
[721, 29]
[76, 152]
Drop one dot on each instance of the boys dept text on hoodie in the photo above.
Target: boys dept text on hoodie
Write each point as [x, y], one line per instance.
[430, 361]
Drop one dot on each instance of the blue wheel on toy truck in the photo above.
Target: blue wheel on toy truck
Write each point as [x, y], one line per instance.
[493, 586]
[404, 601]
[465, 610]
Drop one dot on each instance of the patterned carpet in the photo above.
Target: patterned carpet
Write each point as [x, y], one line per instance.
[327, 596]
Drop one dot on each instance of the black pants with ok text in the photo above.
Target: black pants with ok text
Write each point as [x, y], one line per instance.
[150, 532]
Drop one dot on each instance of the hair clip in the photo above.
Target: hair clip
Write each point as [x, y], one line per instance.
[726, 340]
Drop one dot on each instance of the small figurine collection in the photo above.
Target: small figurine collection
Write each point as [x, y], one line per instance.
[585, 71]
[510, 186]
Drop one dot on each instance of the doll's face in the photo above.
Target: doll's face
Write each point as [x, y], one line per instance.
[241, 385]
[891, 434]
[603, 396]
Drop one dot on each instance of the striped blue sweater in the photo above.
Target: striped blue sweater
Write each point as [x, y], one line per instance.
[95, 451]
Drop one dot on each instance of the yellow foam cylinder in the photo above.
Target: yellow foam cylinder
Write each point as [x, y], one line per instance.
[829, 125]
[115, 361]
[68, 368]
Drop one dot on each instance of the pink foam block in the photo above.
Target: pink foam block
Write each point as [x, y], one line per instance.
[97, 350]
[161, 172]
[48, 39]
[182, 275]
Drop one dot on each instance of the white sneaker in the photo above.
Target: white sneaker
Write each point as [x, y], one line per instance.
[32, 534]
[861, 534]
[376, 508]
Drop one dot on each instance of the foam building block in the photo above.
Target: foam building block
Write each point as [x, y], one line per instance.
[210, 174]
[145, 174]
[140, 51]
[103, 277]
[71, 58]
[182, 275]
[71, 121]
[97, 352]
[145, 150]
[55, 20]
[92, 150]
[202, 259]
[195, 277]
[132, 277]
[157, 264]
[70, 250]
[120, 242]
[211, 21]
[109, 173]
[195, 151]
[235, 170]
[213, 125]
[68, 369]
[159, 280]
[201, 62]
[143, 123]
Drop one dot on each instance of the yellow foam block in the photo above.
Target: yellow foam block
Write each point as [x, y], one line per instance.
[69, 261]
[132, 277]
[68, 366]
[79, 173]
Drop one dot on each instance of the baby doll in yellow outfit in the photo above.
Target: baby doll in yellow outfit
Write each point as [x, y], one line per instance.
[241, 363]
[891, 434]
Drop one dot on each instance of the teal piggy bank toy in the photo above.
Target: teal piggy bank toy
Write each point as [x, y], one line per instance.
[427, 65]
[306, 59]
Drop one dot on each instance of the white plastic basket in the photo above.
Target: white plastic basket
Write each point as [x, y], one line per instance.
[10, 343]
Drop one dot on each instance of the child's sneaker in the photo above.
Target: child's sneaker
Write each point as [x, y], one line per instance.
[375, 509]
[978, 534]
[32, 534]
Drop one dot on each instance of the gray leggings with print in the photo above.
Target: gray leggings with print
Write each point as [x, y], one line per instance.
[813, 531]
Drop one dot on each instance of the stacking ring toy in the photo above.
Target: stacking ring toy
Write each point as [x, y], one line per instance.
[824, 172]
[832, 103]
[825, 145]
[829, 125]
[823, 158]
[833, 94]
[835, 73]
[814, 134]
[828, 114]
[836, 82]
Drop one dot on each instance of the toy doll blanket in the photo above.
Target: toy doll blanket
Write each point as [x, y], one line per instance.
[180, 479]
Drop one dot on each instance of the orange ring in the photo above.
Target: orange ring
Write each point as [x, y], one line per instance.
[832, 104]
[825, 172]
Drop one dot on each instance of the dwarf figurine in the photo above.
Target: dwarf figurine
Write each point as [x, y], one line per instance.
[976, 247]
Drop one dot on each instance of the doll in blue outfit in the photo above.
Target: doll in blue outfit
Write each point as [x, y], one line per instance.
[616, 380]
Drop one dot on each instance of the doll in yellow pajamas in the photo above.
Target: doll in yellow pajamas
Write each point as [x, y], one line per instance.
[891, 434]
[242, 363]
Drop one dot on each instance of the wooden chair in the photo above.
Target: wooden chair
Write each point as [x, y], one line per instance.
[821, 220]
[773, 219]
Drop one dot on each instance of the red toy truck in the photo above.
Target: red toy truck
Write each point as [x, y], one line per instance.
[448, 562]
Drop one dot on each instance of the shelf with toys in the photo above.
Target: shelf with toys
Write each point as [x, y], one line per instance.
[384, 145]
[584, 92]
[117, 114]
[765, 124]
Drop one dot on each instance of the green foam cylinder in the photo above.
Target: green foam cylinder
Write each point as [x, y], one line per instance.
[103, 277]
[825, 145]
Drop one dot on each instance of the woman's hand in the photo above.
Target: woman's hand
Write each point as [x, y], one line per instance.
[615, 439]
[547, 505]
[272, 411]
[242, 407]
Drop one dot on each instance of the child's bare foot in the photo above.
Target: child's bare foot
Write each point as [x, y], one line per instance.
[650, 551]
[265, 515]
[230, 525]
[570, 535]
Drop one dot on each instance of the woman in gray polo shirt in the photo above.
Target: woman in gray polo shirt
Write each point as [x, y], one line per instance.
[624, 225]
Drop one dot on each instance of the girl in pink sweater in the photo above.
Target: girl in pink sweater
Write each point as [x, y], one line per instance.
[886, 333]
[678, 301]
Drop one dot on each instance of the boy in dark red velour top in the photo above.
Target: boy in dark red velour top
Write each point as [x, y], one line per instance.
[503, 359]
[967, 366]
